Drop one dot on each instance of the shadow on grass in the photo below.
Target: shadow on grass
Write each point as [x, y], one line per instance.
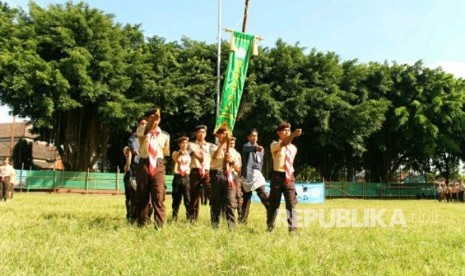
[98, 222]
[58, 215]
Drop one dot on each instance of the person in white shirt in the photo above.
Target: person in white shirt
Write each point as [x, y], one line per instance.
[7, 179]
[252, 176]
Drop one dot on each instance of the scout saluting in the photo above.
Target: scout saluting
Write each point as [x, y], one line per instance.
[154, 145]
[282, 178]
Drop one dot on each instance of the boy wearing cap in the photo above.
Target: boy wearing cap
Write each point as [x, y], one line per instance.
[200, 151]
[154, 146]
[222, 182]
[282, 179]
[181, 185]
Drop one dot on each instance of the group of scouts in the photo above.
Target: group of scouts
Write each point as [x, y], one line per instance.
[226, 176]
[451, 192]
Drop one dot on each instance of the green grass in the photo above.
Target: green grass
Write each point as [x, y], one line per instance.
[49, 234]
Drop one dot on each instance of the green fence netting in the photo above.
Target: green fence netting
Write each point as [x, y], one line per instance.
[379, 190]
[49, 180]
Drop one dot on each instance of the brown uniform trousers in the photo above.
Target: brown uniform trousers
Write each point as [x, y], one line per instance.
[239, 195]
[278, 186]
[222, 195]
[150, 188]
[196, 184]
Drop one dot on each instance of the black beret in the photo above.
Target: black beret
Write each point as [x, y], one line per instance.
[200, 127]
[182, 138]
[151, 111]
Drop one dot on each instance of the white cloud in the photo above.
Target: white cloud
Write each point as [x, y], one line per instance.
[453, 67]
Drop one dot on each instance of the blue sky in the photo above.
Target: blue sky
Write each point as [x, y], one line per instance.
[368, 30]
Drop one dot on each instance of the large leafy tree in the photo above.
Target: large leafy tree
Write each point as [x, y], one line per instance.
[186, 83]
[446, 110]
[424, 122]
[84, 80]
[318, 93]
[74, 73]
[7, 27]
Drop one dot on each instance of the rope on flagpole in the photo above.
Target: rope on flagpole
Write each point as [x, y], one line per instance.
[258, 37]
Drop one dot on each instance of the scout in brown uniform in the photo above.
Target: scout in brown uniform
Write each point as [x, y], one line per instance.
[181, 185]
[154, 145]
[282, 178]
[222, 182]
[200, 170]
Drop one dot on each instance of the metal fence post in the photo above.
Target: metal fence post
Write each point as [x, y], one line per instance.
[21, 184]
[86, 180]
[117, 180]
[29, 174]
[54, 179]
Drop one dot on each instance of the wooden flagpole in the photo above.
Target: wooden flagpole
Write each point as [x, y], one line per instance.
[246, 10]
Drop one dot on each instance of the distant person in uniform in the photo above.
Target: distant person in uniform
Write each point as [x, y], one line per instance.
[440, 191]
[200, 151]
[181, 183]
[252, 176]
[282, 179]
[7, 179]
[154, 146]
[222, 181]
[454, 193]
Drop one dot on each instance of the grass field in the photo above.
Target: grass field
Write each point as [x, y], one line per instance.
[50, 234]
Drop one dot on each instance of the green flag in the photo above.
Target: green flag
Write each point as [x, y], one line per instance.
[241, 49]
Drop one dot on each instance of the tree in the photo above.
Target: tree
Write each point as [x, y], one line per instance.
[424, 123]
[74, 73]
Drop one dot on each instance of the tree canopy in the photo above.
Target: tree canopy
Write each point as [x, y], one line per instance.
[84, 80]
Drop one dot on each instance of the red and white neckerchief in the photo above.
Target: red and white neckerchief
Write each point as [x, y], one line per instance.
[183, 163]
[288, 165]
[230, 176]
[153, 147]
[201, 166]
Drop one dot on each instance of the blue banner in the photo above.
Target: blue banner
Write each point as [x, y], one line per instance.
[306, 193]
